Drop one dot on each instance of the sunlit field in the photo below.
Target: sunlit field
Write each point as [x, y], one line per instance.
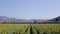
[29, 28]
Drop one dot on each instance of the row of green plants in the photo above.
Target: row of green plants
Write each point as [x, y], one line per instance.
[29, 28]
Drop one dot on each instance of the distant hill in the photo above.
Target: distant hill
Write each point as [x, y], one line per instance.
[4, 18]
[55, 19]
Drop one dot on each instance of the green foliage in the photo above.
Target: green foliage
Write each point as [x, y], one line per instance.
[29, 28]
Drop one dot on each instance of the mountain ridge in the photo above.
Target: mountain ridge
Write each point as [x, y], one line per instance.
[4, 18]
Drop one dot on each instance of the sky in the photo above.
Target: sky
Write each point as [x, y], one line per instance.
[30, 9]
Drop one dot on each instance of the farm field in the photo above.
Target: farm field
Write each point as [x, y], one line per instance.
[29, 28]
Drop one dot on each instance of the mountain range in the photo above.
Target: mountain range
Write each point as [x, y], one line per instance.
[4, 18]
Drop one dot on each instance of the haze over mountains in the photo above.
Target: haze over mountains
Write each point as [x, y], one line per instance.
[7, 19]
[4, 18]
[55, 19]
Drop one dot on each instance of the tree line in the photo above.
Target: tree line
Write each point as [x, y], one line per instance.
[35, 22]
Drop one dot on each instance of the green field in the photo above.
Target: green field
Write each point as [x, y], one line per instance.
[29, 28]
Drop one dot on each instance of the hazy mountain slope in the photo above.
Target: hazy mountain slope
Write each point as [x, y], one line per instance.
[3, 18]
[55, 19]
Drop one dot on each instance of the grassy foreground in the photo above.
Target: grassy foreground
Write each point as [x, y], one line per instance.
[29, 28]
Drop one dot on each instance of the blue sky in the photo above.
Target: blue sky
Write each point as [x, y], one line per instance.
[30, 9]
